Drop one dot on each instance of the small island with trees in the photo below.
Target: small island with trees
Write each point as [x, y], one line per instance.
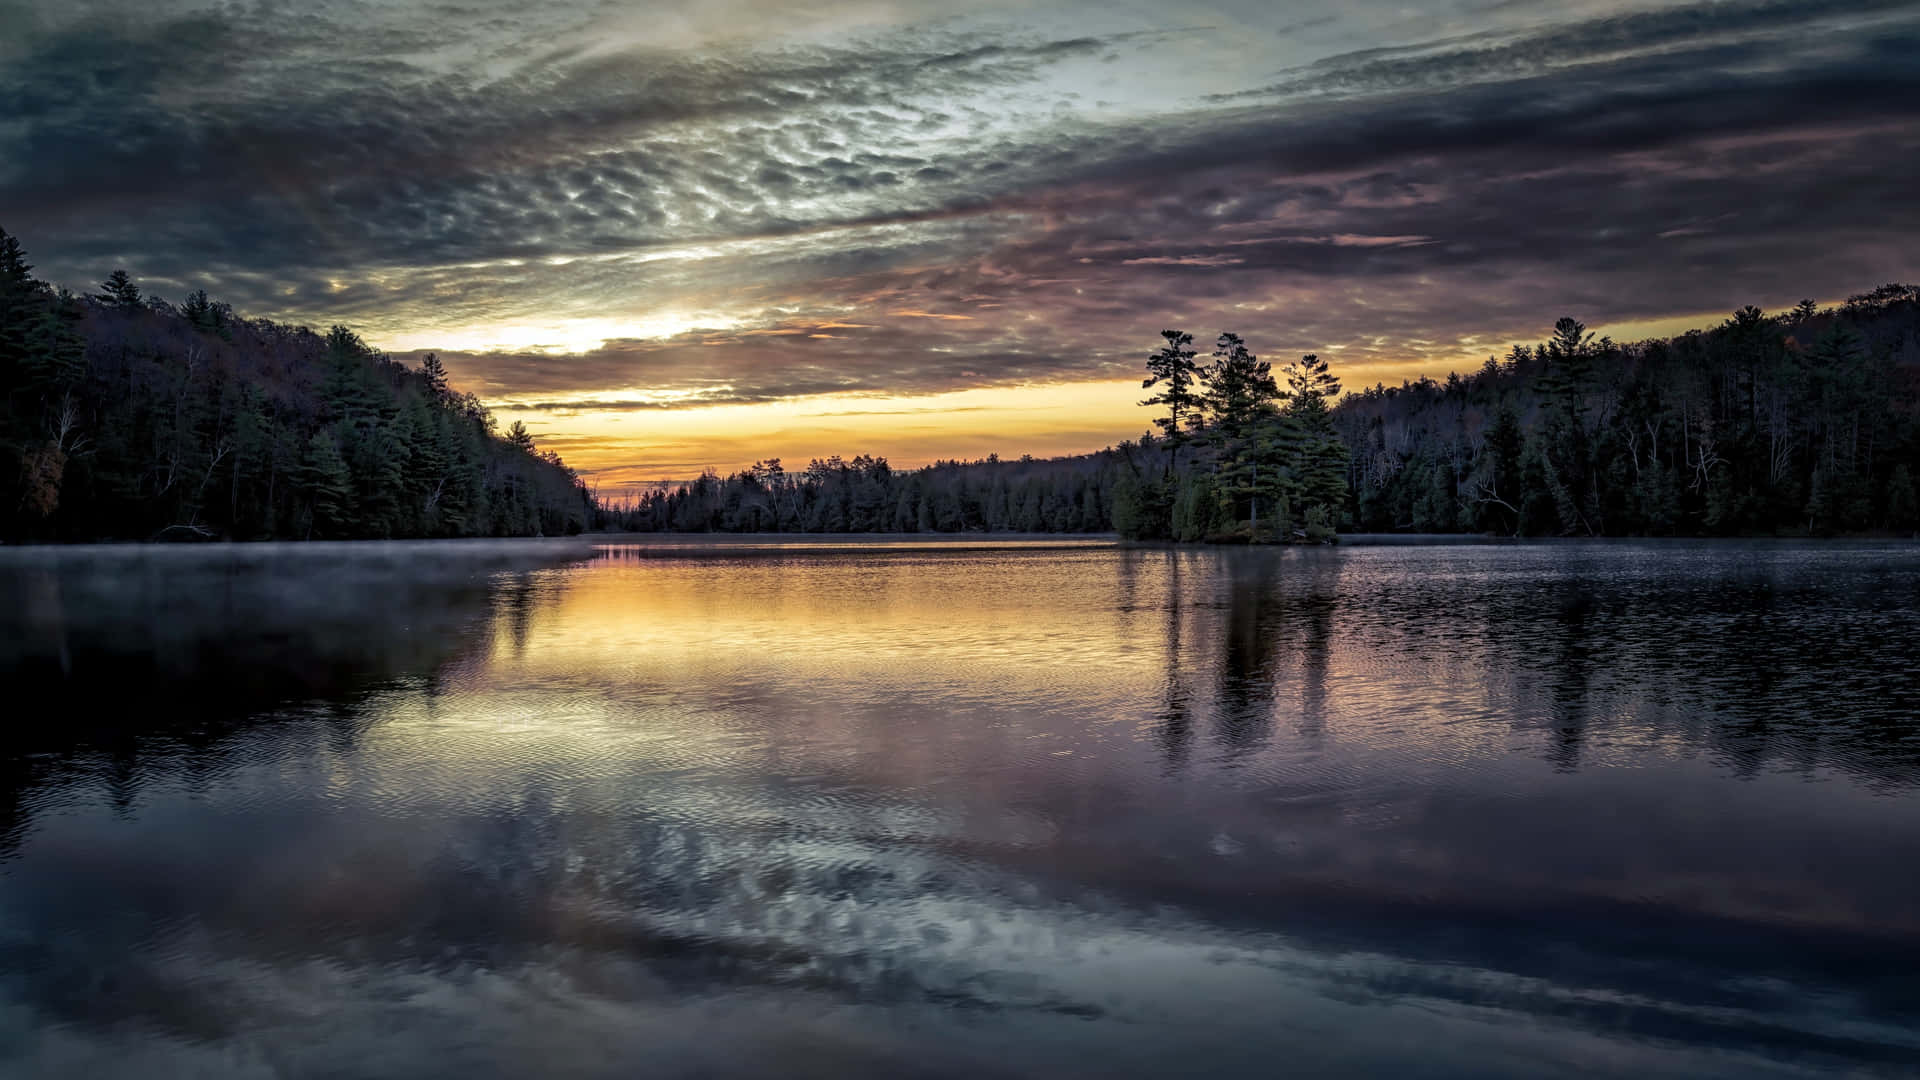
[128, 417]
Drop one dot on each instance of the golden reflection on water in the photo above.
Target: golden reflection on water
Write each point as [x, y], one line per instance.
[1134, 809]
[1074, 639]
[1058, 698]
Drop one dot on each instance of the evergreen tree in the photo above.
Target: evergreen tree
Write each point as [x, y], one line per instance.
[1239, 388]
[1317, 457]
[1310, 376]
[328, 484]
[1172, 368]
[434, 374]
[1137, 510]
[119, 291]
[1819, 503]
[252, 448]
[199, 311]
[55, 349]
[1256, 477]
[22, 299]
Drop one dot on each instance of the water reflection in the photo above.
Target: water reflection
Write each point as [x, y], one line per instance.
[966, 811]
[1175, 716]
[124, 654]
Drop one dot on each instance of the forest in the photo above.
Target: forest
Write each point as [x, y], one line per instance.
[1228, 446]
[1802, 423]
[1058, 495]
[127, 417]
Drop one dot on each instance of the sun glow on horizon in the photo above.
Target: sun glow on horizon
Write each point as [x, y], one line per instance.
[634, 447]
[557, 337]
[627, 438]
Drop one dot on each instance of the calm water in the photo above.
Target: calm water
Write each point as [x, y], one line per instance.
[670, 809]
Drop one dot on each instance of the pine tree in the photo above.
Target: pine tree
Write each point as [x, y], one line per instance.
[1819, 508]
[1310, 376]
[1172, 368]
[1569, 368]
[1130, 517]
[252, 445]
[21, 300]
[55, 350]
[119, 291]
[1252, 475]
[1239, 387]
[198, 310]
[1318, 457]
[434, 374]
[520, 437]
[328, 484]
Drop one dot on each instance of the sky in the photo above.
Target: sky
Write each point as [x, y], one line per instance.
[691, 234]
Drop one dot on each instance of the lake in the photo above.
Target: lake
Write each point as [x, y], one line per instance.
[667, 807]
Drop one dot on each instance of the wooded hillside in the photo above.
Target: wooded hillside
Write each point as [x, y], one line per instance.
[123, 416]
[1801, 423]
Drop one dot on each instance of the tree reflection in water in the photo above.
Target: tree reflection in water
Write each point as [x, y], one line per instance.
[1455, 810]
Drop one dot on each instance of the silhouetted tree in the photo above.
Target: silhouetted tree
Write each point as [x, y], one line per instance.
[434, 375]
[1239, 387]
[1171, 367]
[1310, 376]
[118, 290]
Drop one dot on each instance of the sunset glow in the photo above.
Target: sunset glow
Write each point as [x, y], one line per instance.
[693, 236]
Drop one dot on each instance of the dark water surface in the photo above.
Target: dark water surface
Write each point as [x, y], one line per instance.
[664, 809]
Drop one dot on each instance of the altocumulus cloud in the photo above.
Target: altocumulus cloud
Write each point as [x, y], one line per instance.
[732, 205]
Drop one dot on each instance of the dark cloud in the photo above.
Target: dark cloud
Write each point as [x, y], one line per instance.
[356, 159]
[702, 368]
[913, 211]
[1504, 56]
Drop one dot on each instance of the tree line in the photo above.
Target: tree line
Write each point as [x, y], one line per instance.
[1061, 495]
[1801, 423]
[123, 416]
[1237, 459]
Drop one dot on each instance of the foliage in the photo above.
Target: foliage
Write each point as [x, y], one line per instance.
[1172, 368]
[865, 494]
[124, 418]
[1800, 423]
[1269, 460]
[1803, 423]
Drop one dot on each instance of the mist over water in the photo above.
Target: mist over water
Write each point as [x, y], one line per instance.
[960, 809]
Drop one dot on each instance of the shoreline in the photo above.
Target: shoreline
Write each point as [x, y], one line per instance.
[794, 539]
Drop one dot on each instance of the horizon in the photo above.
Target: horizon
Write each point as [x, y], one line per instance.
[709, 237]
[1625, 334]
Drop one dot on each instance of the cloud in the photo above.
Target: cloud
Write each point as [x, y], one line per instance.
[912, 208]
[698, 369]
[1182, 260]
